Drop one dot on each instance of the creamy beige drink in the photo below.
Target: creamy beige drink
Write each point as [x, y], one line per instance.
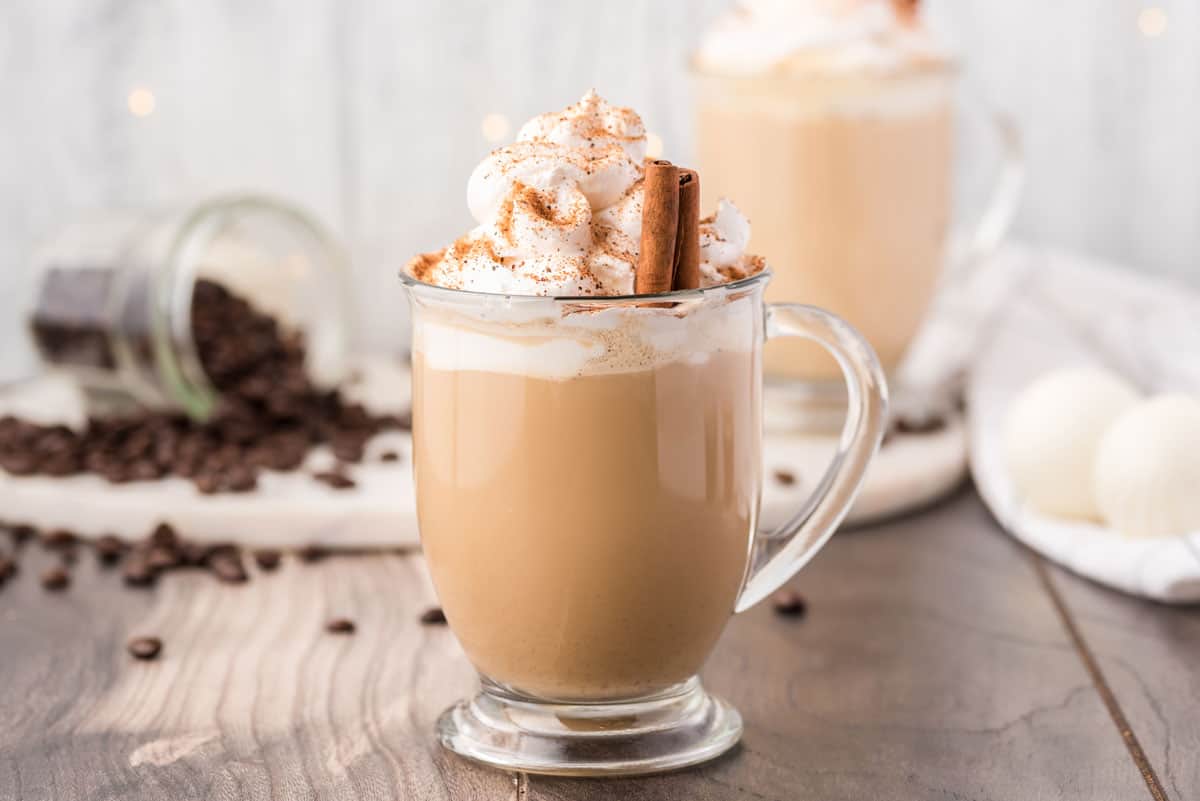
[592, 545]
[831, 123]
[587, 477]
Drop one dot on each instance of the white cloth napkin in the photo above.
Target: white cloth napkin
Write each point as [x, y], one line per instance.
[1064, 310]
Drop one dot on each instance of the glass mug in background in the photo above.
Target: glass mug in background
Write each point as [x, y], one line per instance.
[588, 473]
[848, 179]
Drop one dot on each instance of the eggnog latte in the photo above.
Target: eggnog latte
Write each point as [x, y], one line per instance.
[588, 462]
[614, 456]
[831, 122]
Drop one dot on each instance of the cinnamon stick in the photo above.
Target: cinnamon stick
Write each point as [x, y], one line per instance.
[906, 11]
[687, 233]
[660, 218]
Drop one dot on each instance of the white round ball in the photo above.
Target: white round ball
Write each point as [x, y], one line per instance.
[1147, 470]
[1054, 427]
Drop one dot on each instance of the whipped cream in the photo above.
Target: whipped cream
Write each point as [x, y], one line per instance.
[766, 36]
[559, 213]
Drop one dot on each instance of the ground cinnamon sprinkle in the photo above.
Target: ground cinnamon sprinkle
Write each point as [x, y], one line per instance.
[505, 219]
[423, 265]
[535, 201]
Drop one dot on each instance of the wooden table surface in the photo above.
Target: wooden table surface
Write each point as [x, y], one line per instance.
[939, 660]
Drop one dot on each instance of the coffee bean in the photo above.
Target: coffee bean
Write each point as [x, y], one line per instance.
[219, 550]
[920, 425]
[193, 554]
[389, 456]
[110, 549]
[312, 553]
[340, 625]
[785, 478]
[22, 534]
[335, 480]
[59, 538]
[145, 648]
[208, 483]
[162, 558]
[228, 567]
[136, 572]
[433, 616]
[267, 558]
[55, 579]
[164, 535]
[240, 478]
[789, 603]
[8, 568]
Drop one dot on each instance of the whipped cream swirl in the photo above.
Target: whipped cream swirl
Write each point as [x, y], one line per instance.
[764, 36]
[559, 212]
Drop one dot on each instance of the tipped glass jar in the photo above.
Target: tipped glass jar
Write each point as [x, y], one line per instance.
[114, 297]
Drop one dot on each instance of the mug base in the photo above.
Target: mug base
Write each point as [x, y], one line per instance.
[680, 727]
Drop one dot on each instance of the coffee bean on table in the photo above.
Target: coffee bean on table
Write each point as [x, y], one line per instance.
[785, 478]
[59, 538]
[137, 572]
[164, 535]
[789, 603]
[227, 567]
[110, 549]
[267, 558]
[348, 448]
[55, 579]
[22, 534]
[340, 625]
[240, 478]
[335, 479]
[194, 554]
[208, 483]
[162, 558]
[433, 616]
[8, 568]
[145, 648]
[312, 553]
[389, 456]
[920, 425]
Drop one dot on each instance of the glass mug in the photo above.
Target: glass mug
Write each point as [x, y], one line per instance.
[588, 473]
[849, 179]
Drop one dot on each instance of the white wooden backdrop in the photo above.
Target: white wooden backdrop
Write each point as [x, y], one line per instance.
[369, 111]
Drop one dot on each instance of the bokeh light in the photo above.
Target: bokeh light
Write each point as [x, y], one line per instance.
[141, 102]
[1152, 22]
[495, 127]
[654, 146]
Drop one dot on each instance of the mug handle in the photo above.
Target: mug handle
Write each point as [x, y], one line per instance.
[778, 554]
[1003, 201]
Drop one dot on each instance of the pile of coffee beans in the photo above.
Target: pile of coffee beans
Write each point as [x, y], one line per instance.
[270, 415]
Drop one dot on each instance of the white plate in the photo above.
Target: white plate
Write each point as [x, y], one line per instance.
[286, 510]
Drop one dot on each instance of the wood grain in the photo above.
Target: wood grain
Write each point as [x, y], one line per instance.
[931, 664]
[1149, 655]
[252, 698]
